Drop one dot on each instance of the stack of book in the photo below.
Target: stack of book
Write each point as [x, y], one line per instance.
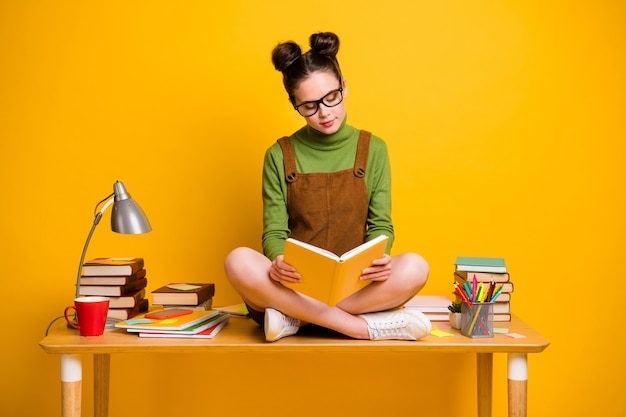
[188, 296]
[487, 271]
[122, 280]
[435, 307]
[200, 324]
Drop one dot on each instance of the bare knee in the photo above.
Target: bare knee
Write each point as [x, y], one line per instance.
[243, 265]
[234, 259]
[413, 268]
[237, 261]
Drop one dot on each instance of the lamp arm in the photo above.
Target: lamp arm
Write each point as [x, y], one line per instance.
[96, 220]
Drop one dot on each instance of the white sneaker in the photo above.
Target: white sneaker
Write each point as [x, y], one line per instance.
[277, 325]
[402, 324]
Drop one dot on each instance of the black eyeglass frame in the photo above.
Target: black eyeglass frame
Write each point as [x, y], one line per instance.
[320, 101]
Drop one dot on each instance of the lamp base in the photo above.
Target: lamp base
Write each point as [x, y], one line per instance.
[74, 321]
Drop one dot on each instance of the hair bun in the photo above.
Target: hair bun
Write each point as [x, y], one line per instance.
[324, 43]
[285, 54]
[295, 66]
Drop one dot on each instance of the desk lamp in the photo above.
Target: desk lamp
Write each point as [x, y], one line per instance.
[127, 217]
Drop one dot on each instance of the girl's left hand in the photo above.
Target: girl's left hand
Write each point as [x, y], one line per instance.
[281, 271]
[380, 269]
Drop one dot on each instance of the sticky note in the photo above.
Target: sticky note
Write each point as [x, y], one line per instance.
[500, 330]
[139, 321]
[515, 335]
[440, 333]
[183, 287]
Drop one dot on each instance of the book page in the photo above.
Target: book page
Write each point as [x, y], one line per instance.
[352, 252]
[312, 248]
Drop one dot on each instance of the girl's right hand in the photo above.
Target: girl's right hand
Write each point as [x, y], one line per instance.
[281, 271]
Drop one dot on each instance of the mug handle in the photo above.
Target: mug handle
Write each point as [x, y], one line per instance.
[67, 319]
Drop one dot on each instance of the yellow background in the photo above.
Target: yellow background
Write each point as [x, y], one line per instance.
[506, 129]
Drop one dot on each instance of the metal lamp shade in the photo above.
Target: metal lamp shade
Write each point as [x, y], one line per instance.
[127, 217]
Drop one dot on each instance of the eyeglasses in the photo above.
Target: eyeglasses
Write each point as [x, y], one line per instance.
[309, 108]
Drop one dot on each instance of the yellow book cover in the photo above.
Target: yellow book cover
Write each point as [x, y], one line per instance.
[326, 276]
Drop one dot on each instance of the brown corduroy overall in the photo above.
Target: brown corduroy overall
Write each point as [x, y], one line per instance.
[328, 210]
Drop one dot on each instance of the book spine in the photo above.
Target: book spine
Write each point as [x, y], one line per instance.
[135, 286]
[128, 301]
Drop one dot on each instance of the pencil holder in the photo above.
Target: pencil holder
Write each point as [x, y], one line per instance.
[477, 320]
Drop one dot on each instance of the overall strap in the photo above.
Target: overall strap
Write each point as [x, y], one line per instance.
[361, 154]
[289, 158]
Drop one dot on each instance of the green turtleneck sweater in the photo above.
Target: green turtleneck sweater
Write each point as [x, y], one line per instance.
[318, 152]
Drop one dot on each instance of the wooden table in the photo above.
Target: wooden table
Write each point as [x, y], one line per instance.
[242, 335]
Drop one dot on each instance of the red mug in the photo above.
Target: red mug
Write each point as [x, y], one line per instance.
[91, 315]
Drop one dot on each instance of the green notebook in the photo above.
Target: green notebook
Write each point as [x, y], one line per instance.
[480, 264]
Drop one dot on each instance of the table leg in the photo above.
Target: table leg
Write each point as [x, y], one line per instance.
[101, 374]
[518, 380]
[484, 372]
[71, 385]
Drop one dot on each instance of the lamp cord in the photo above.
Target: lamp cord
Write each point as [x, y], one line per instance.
[52, 322]
[95, 210]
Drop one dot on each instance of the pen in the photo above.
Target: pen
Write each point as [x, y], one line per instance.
[492, 286]
[496, 293]
[474, 285]
[473, 318]
[484, 293]
[468, 289]
[461, 293]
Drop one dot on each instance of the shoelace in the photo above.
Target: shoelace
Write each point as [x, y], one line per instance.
[291, 323]
[389, 329]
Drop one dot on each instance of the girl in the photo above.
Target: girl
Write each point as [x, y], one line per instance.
[328, 184]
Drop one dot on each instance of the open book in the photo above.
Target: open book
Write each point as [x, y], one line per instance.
[328, 277]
